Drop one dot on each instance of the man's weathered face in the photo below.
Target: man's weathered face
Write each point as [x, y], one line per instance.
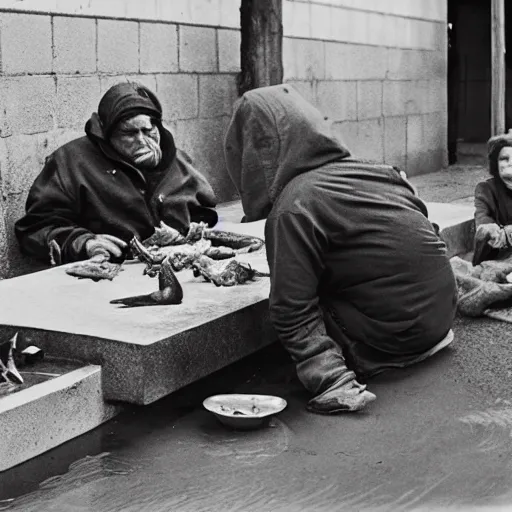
[138, 140]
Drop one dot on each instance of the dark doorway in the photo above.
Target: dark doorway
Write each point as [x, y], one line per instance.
[469, 71]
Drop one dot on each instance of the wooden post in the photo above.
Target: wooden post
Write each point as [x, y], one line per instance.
[498, 67]
[262, 42]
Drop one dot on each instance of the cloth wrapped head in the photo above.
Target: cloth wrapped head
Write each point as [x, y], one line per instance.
[125, 100]
[494, 145]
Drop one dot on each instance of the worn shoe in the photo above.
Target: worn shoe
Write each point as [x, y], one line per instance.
[349, 397]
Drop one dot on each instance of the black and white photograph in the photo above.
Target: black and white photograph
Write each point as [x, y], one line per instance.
[255, 256]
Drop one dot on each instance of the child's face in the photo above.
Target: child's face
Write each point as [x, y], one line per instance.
[505, 166]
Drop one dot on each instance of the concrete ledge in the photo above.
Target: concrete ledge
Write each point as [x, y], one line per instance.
[456, 224]
[48, 414]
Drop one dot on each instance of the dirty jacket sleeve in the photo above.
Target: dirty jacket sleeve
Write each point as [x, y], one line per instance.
[51, 214]
[295, 248]
[485, 205]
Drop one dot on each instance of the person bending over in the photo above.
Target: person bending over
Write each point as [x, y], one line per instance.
[360, 281]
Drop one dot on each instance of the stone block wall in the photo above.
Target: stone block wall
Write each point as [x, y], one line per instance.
[378, 69]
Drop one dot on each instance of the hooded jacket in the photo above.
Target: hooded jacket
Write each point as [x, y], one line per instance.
[86, 188]
[354, 260]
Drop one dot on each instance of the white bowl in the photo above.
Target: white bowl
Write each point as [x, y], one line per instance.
[244, 412]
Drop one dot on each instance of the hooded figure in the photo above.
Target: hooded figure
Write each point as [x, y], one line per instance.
[360, 281]
[125, 176]
[493, 203]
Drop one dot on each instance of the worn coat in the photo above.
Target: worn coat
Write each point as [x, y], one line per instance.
[86, 188]
[358, 275]
[493, 205]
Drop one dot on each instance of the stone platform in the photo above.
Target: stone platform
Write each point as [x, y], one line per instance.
[58, 402]
[149, 352]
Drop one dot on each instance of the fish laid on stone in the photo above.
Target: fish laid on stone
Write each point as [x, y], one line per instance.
[164, 236]
[225, 273]
[96, 268]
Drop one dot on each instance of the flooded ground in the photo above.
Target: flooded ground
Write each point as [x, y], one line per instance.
[433, 440]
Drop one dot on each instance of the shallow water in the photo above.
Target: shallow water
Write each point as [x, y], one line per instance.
[429, 442]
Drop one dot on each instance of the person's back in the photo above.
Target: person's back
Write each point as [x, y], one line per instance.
[382, 256]
[359, 277]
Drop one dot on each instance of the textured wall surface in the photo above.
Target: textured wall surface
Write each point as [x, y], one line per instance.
[376, 67]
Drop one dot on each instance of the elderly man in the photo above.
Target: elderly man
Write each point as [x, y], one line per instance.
[360, 282]
[121, 179]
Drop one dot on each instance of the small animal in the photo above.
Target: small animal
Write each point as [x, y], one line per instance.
[169, 288]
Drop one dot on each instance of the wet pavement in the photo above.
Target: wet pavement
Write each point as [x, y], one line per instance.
[437, 438]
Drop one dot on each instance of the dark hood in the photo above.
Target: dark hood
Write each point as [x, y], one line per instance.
[121, 102]
[275, 135]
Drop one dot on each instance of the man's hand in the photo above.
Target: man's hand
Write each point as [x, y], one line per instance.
[106, 246]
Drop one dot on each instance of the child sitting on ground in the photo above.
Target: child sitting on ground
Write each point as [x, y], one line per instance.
[493, 204]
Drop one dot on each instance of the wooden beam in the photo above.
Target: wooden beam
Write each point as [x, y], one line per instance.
[498, 67]
[262, 41]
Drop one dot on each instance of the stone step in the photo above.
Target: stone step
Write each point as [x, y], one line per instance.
[52, 407]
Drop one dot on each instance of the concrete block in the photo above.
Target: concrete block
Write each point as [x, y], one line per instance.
[178, 95]
[29, 104]
[303, 59]
[395, 141]
[118, 46]
[338, 100]
[173, 11]
[158, 48]
[405, 97]
[229, 50]
[194, 12]
[320, 21]
[416, 34]
[369, 99]
[74, 45]
[419, 153]
[437, 95]
[357, 29]
[78, 98]
[230, 13]
[217, 94]
[377, 28]
[22, 162]
[17, 264]
[48, 414]
[354, 62]
[26, 42]
[204, 12]
[203, 140]
[106, 82]
[198, 49]
[297, 19]
[406, 64]
[340, 24]
[370, 140]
